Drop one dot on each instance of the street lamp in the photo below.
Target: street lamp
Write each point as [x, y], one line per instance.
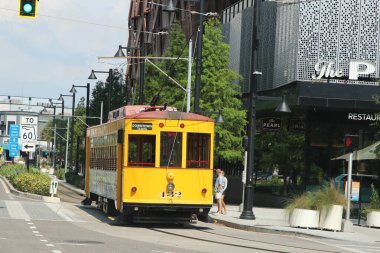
[110, 74]
[120, 53]
[72, 123]
[73, 91]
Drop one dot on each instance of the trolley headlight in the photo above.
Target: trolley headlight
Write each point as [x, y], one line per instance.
[170, 186]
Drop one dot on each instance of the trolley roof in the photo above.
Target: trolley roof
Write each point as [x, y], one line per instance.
[153, 112]
[169, 115]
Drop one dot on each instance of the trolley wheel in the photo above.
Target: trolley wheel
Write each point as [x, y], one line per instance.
[109, 207]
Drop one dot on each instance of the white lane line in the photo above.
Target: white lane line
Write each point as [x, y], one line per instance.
[43, 240]
[30, 223]
[2, 238]
[359, 246]
[5, 187]
[16, 211]
[158, 251]
[32, 227]
[39, 235]
[35, 232]
[49, 245]
[74, 244]
[56, 251]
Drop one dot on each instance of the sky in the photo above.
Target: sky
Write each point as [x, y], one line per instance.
[44, 57]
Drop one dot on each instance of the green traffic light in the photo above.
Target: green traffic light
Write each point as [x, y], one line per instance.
[27, 8]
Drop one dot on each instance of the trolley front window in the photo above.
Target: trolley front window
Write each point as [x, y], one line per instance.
[198, 150]
[141, 150]
[171, 149]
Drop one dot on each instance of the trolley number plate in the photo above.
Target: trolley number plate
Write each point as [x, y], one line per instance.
[171, 194]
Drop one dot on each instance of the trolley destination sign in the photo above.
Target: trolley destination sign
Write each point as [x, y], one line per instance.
[141, 126]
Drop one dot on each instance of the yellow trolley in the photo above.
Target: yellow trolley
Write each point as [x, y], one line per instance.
[151, 164]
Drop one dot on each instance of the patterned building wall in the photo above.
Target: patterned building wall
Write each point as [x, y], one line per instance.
[337, 30]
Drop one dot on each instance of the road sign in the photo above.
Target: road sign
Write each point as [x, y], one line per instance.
[28, 120]
[14, 132]
[28, 133]
[28, 146]
[1, 150]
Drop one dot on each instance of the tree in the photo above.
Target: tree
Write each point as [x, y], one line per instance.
[157, 84]
[281, 150]
[219, 90]
[100, 94]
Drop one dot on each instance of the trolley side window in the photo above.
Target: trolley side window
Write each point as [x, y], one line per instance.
[141, 151]
[198, 150]
[171, 149]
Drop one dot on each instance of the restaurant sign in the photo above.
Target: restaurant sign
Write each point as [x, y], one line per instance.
[327, 69]
[271, 124]
[364, 116]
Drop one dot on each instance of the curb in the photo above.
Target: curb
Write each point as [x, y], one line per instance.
[27, 194]
[261, 229]
[72, 188]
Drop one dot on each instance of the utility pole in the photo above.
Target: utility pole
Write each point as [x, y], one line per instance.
[198, 65]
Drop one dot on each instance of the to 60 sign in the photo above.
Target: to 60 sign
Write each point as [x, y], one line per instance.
[28, 133]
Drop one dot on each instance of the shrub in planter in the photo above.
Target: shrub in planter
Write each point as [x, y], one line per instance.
[373, 210]
[332, 202]
[304, 211]
[33, 183]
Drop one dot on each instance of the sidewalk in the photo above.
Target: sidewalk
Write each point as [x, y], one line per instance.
[272, 220]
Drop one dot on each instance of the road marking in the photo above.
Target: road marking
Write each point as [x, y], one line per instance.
[158, 251]
[359, 246]
[30, 223]
[38, 235]
[2, 238]
[49, 245]
[56, 251]
[5, 187]
[74, 244]
[35, 232]
[333, 245]
[43, 240]
[32, 227]
[16, 211]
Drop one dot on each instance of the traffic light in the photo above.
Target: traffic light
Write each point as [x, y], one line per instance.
[351, 143]
[28, 8]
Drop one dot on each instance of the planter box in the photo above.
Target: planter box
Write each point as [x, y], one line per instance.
[373, 219]
[331, 218]
[304, 218]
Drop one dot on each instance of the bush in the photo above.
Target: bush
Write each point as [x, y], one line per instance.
[75, 179]
[33, 183]
[374, 204]
[11, 171]
[60, 173]
[328, 195]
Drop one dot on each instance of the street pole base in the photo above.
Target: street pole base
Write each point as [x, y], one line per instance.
[348, 227]
[247, 215]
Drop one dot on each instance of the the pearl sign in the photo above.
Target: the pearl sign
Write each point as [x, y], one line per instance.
[356, 68]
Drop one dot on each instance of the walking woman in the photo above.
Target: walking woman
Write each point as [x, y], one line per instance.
[224, 188]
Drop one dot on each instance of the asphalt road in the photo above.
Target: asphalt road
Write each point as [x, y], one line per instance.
[33, 226]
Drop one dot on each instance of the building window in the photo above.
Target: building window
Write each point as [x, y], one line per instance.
[9, 126]
[198, 150]
[171, 149]
[141, 150]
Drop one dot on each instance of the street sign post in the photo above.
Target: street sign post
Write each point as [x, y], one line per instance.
[53, 187]
[29, 133]
[14, 132]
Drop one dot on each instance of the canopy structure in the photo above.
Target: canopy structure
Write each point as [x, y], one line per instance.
[367, 153]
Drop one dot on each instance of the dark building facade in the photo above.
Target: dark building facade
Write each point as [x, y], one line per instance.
[324, 56]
